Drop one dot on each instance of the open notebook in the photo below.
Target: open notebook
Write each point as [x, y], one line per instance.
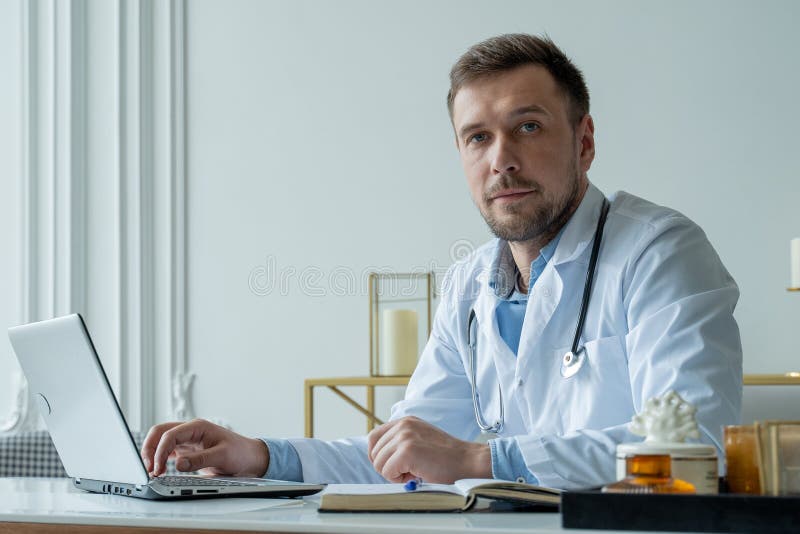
[432, 497]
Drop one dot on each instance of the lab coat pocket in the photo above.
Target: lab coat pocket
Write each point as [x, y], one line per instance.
[598, 395]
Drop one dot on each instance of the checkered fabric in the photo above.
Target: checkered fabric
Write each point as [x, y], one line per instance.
[32, 454]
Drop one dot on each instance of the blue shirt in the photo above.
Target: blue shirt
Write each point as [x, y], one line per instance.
[510, 310]
[507, 460]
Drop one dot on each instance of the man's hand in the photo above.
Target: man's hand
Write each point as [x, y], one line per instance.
[410, 448]
[202, 445]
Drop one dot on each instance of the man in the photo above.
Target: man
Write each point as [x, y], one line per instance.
[659, 316]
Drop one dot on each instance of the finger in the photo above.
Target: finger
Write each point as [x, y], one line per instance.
[374, 436]
[397, 465]
[387, 433]
[382, 456]
[191, 432]
[185, 448]
[402, 426]
[151, 442]
[211, 457]
[394, 441]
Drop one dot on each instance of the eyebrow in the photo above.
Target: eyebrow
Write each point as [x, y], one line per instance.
[524, 110]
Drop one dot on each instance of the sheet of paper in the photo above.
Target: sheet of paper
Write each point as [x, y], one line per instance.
[466, 484]
[375, 489]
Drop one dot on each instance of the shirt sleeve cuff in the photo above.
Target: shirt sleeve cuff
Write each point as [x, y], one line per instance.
[284, 462]
[508, 462]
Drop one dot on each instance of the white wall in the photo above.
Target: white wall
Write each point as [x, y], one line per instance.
[318, 139]
[318, 136]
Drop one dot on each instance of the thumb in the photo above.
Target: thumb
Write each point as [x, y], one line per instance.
[406, 477]
[194, 461]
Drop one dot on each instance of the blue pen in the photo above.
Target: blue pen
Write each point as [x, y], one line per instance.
[413, 484]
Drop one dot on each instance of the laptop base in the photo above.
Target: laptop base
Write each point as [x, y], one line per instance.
[155, 491]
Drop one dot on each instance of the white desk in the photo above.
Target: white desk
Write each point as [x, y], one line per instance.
[53, 506]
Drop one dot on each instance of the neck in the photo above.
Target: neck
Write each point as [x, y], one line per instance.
[524, 252]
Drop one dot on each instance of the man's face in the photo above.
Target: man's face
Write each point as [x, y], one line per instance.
[525, 163]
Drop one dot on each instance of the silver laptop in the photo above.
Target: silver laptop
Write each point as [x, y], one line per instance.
[89, 430]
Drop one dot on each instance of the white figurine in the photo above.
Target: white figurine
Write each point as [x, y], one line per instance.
[665, 423]
[181, 396]
[668, 419]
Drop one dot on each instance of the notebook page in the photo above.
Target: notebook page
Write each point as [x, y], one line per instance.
[386, 489]
[465, 484]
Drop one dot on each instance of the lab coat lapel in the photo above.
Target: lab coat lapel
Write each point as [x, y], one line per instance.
[489, 341]
[579, 231]
[542, 303]
[547, 292]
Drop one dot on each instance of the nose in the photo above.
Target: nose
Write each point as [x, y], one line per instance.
[504, 157]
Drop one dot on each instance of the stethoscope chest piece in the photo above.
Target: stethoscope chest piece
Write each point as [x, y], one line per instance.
[572, 362]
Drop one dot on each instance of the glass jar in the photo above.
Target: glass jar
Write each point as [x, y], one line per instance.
[649, 473]
[741, 473]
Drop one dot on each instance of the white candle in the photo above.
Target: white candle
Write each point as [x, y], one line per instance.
[795, 253]
[398, 343]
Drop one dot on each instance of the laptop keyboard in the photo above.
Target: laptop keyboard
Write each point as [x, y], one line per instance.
[198, 481]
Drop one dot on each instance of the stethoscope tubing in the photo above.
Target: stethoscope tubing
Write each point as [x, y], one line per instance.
[576, 349]
[587, 286]
[485, 428]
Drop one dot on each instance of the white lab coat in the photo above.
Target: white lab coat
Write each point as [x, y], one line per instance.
[660, 318]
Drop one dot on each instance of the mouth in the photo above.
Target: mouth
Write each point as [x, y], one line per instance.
[510, 195]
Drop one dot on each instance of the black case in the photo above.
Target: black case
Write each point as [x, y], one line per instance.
[698, 513]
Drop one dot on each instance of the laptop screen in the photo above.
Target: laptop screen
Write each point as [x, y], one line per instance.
[67, 380]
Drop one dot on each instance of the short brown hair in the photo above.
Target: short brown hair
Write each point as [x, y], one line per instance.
[509, 51]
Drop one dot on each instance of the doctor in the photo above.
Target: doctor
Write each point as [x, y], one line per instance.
[549, 338]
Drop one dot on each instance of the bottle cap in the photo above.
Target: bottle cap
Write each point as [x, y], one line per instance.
[675, 449]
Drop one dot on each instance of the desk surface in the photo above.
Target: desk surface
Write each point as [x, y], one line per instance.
[28, 503]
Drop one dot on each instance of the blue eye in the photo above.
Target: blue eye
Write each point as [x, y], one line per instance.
[477, 138]
[529, 127]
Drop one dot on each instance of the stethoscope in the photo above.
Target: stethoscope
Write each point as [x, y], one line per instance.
[571, 362]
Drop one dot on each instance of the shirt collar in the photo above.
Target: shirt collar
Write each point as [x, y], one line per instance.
[503, 271]
[568, 245]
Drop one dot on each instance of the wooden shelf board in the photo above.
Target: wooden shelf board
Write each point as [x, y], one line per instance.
[787, 379]
[359, 381]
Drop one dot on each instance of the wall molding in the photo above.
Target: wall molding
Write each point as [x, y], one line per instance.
[134, 262]
[152, 208]
[149, 223]
[182, 378]
[53, 225]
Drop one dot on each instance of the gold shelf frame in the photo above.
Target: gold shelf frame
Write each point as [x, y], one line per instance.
[786, 379]
[333, 384]
[374, 299]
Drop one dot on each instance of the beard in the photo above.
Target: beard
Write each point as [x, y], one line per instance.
[516, 222]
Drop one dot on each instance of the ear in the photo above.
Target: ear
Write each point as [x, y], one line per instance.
[585, 141]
